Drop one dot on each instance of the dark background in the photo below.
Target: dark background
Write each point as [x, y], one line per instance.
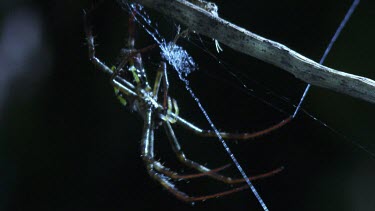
[67, 144]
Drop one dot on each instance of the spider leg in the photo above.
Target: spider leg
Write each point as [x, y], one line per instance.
[162, 75]
[91, 46]
[208, 133]
[201, 168]
[165, 83]
[164, 180]
[123, 85]
[167, 184]
[177, 176]
[148, 158]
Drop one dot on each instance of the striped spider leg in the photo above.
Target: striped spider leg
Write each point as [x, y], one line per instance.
[140, 97]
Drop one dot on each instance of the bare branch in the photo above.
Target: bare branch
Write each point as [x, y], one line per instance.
[242, 40]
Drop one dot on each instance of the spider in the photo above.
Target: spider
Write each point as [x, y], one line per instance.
[138, 95]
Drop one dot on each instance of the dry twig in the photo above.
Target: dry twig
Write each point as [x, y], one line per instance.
[242, 40]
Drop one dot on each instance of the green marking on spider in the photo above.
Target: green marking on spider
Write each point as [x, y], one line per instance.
[134, 71]
[119, 97]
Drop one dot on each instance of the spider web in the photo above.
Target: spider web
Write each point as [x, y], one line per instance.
[184, 64]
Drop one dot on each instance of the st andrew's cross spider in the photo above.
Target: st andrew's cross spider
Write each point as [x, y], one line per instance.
[138, 95]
